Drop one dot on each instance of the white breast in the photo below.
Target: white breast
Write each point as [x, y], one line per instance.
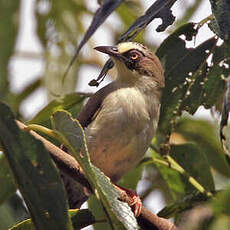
[121, 131]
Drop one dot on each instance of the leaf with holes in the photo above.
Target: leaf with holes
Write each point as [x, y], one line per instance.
[185, 69]
[221, 24]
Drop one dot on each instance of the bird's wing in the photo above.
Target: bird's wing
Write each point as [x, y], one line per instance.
[90, 110]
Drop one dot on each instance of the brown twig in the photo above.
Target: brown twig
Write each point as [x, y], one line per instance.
[70, 166]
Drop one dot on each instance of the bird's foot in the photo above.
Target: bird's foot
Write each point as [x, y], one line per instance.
[135, 202]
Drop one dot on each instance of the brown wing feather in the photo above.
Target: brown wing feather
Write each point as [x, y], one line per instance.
[93, 105]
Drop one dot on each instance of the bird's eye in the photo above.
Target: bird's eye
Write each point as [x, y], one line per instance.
[134, 56]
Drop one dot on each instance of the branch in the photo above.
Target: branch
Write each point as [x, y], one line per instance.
[70, 166]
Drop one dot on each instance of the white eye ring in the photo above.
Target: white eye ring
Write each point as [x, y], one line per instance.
[115, 49]
[134, 56]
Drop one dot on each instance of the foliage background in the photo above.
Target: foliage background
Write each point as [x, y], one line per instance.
[57, 28]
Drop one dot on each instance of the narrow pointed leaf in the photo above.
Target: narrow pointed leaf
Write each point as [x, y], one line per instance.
[159, 9]
[179, 206]
[35, 174]
[119, 213]
[106, 8]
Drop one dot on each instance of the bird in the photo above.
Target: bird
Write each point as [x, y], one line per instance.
[121, 119]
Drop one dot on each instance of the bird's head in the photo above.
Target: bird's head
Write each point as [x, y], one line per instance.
[134, 60]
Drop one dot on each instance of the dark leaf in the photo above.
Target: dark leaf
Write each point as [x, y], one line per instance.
[185, 69]
[225, 111]
[8, 35]
[221, 25]
[173, 179]
[80, 219]
[106, 8]
[195, 163]
[159, 9]
[204, 135]
[35, 174]
[8, 187]
[179, 206]
[12, 211]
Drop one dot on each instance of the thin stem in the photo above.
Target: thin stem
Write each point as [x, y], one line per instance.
[44, 130]
[174, 165]
[205, 20]
[191, 179]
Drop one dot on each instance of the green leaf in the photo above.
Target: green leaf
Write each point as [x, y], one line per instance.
[159, 9]
[204, 135]
[131, 179]
[80, 219]
[195, 163]
[106, 8]
[24, 225]
[221, 11]
[181, 205]
[220, 223]
[218, 72]
[221, 203]
[9, 11]
[17, 99]
[96, 208]
[185, 69]
[12, 211]
[71, 102]
[173, 179]
[118, 212]
[58, 28]
[35, 174]
[7, 183]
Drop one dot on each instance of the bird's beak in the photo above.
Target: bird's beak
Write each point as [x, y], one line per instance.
[110, 50]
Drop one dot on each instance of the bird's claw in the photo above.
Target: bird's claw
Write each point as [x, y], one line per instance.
[135, 204]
